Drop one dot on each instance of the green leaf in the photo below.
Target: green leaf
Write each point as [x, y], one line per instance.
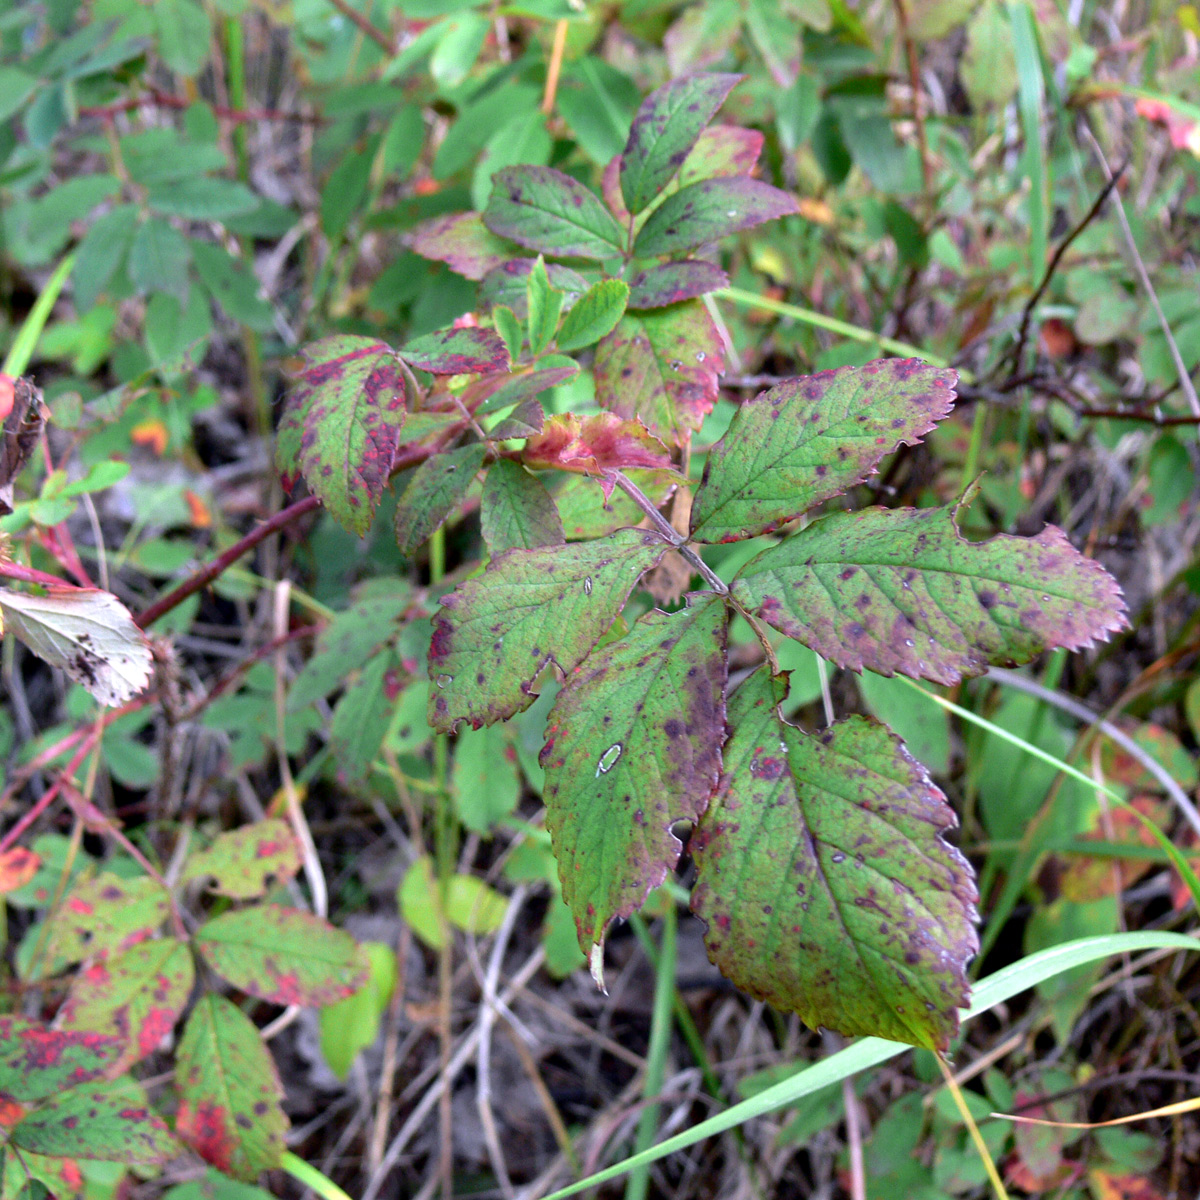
[507, 284]
[485, 780]
[492, 393]
[807, 440]
[106, 913]
[544, 305]
[113, 1125]
[595, 314]
[517, 512]
[436, 488]
[903, 591]
[633, 745]
[465, 902]
[351, 1025]
[202, 198]
[597, 102]
[550, 212]
[458, 48]
[241, 862]
[361, 719]
[158, 259]
[825, 882]
[282, 955]
[457, 352]
[664, 131]
[349, 406]
[529, 608]
[102, 251]
[138, 993]
[16, 86]
[233, 286]
[463, 242]
[37, 1061]
[184, 35]
[662, 366]
[710, 210]
[510, 329]
[229, 1091]
[673, 282]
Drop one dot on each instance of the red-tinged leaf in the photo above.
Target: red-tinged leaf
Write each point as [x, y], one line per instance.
[243, 861]
[674, 282]
[104, 914]
[1081, 878]
[664, 131]
[229, 1092]
[349, 400]
[436, 488]
[494, 392]
[495, 633]
[524, 421]
[1107, 1185]
[591, 445]
[59, 1176]
[457, 352]
[587, 512]
[547, 211]
[633, 745]
[462, 241]
[37, 1061]
[708, 211]
[507, 284]
[824, 879]
[662, 367]
[17, 867]
[903, 591]
[137, 994]
[721, 150]
[113, 1125]
[806, 440]
[1182, 127]
[516, 512]
[282, 955]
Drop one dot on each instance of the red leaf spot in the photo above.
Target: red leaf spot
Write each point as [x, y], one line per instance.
[205, 1128]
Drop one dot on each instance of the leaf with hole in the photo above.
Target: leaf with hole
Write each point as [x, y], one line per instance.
[902, 591]
[807, 440]
[496, 633]
[824, 878]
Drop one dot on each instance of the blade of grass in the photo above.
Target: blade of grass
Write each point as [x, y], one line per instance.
[26, 340]
[870, 1052]
[311, 1178]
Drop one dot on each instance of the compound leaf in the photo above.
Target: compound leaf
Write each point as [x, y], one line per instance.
[530, 607]
[672, 282]
[242, 861]
[37, 1061]
[550, 212]
[662, 366]
[349, 401]
[137, 993]
[435, 489]
[457, 352]
[229, 1091]
[809, 439]
[664, 131]
[708, 211]
[902, 591]
[516, 511]
[824, 879]
[282, 955]
[633, 744]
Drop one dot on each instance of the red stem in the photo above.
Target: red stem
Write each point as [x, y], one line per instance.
[166, 100]
[30, 575]
[48, 796]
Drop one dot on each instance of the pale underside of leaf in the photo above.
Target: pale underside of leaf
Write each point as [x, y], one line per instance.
[902, 591]
[495, 634]
[632, 747]
[808, 440]
[824, 879]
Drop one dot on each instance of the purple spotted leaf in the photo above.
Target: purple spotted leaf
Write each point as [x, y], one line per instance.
[37, 1061]
[495, 392]
[463, 242]
[708, 211]
[282, 955]
[902, 591]
[825, 880]
[106, 913]
[516, 512]
[436, 488]
[61, 1177]
[229, 1091]
[467, 351]
[137, 994]
[342, 425]
[544, 210]
[662, 366]
[809, 439]
[529, 608]
[664, 131]
[672, 282]
[242, 862]
[526, 419]
[112, 1124]
[721, 150]
[633, 745]
[508, 284]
